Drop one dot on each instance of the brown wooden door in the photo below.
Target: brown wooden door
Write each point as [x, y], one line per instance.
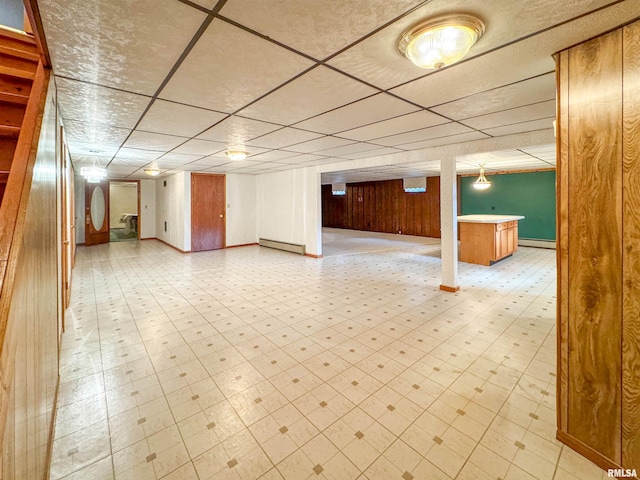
[208, 224]
[96, 219]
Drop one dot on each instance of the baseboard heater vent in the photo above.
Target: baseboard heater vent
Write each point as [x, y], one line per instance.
[287, 247]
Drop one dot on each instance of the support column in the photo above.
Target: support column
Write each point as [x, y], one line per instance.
[449, 224]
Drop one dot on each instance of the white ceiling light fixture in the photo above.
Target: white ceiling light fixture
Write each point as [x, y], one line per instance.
[481, 183]
[441, 41]
[93, 174]
[154, 172]
[236, 155]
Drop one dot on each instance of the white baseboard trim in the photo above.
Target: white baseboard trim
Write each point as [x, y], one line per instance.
[527, 242]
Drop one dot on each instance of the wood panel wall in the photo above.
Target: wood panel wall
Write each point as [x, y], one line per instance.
[384, 207]
[599, 248]
[29, 360]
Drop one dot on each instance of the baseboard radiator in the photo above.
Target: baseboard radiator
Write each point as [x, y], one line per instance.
[287, 247]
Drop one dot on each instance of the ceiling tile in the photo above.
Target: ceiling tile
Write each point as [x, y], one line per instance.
[284, 137]
[221, 72]
[370, 110]
[273, 155]
[179, 157]
[135, 154]
[82, 160]
[372, 153]
[323, 143]
[209, 162]
[546, 153]
[349, 149]
[236, 130]
[92, 133]
[200, 147]
[514, 62]
[119, 43]
[378, 61]
[177, 119]
[321, 27]
[513, 115]
[209, 4]
[412, 121]
[79, 149]
[526, 92]
[297, 159]
[445, 140]
[153, 141]
[93, 104]
[423, 134]
[315, 92]
[542, 124]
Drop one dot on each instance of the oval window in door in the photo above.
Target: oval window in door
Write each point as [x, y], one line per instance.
[97, 208]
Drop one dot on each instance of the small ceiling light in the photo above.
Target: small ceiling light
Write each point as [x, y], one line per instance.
[154, 172]
[481, 183]
[93, 174]
[236, 155]
[441, 41]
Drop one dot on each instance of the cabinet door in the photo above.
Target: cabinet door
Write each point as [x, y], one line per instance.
[510, 241]
[504, 243]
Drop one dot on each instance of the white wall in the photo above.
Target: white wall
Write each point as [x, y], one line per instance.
[79, 197]
[241, 209]
[147, 208]
[173, 206]
[289, 208]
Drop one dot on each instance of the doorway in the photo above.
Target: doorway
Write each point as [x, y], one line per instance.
[124, 220]
[208, 199]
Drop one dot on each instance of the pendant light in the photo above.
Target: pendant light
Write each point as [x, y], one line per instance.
[481, 183]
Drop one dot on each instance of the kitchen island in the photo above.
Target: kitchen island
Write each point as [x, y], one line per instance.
[486, 239]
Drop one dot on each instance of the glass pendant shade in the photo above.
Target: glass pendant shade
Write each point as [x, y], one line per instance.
[442, 41]
[93, 174]
[481, 183]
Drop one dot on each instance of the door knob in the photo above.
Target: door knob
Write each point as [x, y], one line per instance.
[221, 215]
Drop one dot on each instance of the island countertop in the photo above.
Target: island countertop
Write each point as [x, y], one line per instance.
[478, 218]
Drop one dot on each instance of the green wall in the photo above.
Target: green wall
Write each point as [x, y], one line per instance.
[531, 194]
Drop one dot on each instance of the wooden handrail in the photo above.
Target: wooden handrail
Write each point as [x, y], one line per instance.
[18, 188]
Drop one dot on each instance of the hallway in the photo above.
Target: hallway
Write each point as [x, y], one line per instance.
[253, 363]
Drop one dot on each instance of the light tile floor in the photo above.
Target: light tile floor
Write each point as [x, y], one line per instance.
[252, 363]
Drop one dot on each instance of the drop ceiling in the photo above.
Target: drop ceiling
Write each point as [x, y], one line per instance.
[173, 84]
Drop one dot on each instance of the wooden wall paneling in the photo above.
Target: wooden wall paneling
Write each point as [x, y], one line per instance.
[562, 236]
[631, 253]
[375, 201]
[359, 210]
[595, 188]
[401, 209]
[385, 207]
[367, 207]
[349, 216]
[417, 212]
[433, 185]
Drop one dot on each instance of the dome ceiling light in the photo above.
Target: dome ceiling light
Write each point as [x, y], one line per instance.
[236, 155]
[441, 41]
[154, 172]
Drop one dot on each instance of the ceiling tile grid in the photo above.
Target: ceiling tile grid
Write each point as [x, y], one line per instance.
[300, 83]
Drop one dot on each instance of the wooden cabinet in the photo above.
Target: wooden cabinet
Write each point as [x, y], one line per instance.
[487, 242]
[598, 200]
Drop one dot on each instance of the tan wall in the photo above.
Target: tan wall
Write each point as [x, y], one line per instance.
[123, 198]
